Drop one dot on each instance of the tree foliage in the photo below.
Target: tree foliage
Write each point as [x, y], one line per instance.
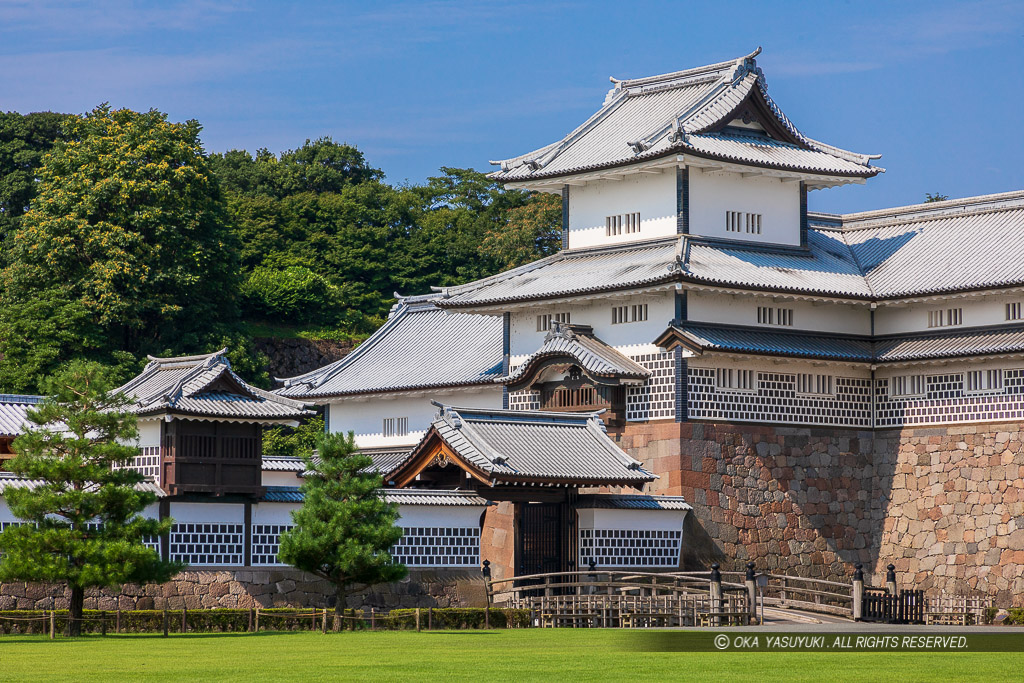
[294, 442]
[24, 140]
[345, 529]
[930, 198]
[532, 230]
[84, 524]
[125, 247]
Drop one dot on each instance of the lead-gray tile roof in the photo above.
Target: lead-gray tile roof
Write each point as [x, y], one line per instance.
[10, 480]
[623, 501]
[535, 447]
[965, 342]
[590, 353]
[958, 343]
[684, 112]
[958, 245]
[292, 494]
[13, 411]
[205, 386]
[752, 340]
[420, 346]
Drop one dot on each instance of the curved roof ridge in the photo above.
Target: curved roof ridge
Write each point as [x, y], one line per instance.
[676, 75]
[964, 206]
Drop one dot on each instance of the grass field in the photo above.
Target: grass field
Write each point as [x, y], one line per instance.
[485, 656]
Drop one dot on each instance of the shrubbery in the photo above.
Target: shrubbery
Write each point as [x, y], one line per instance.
[277, 619]
[293, 295]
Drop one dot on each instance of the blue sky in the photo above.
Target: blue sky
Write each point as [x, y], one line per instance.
[935, 87]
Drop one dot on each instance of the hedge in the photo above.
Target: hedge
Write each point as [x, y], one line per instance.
[275, 619]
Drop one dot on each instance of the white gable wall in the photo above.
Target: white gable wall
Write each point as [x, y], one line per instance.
[652, 195]
[629, 338]
[977, 311]
[741, 309]
[714, 193]
[366, 417]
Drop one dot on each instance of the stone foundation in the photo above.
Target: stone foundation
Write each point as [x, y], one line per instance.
[257, 588]
[945, 505]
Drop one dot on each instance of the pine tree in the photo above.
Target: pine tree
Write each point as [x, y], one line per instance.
[83, 524]
[345, 529]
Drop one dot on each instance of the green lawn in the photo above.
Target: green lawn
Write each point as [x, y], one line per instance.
[485, 656]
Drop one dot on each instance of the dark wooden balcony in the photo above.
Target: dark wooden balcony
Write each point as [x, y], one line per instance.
[216, 458]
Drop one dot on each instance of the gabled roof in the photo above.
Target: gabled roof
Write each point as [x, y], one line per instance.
[205, 386]
[936, 345]
[524, 447]
[700, 337]
[412, 350]
[577, 344]
[13, 412]
[955, 245]
[384, 460]
[688, 112]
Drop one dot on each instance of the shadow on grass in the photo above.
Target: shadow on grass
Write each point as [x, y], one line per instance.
[33, 638]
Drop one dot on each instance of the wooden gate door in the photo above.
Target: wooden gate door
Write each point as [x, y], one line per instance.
[541, 528]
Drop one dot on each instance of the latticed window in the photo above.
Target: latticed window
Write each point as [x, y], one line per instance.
[908, 385]
[396, 426]
[946, 317]
[732, 378]
[629, 314]
[742, 221]
[622, 224]
[807, 383]
[770, 315]
[984, 380]
[1013, 311]
[545, 320]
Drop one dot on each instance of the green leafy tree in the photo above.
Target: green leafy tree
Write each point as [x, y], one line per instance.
[24, 140]
[292, 295]
[936, 197]
[533, 230]
[345, 529]
[295, 442]
[126, 244]
[84, 526]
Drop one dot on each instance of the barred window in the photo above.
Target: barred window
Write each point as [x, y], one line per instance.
[770, 315]
[1013, 311]
[947, 317]
[908, 385]
[732, 378]
[629, 314]
[807, 383]
[544, 320]
[396, 426]
[626, 223]
[984, 380]
[741, 221]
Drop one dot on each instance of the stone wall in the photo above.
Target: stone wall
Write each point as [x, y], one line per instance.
[942, 504]
[257, 588]
[291, 357]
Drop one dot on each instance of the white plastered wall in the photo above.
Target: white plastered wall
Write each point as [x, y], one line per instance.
[274, 513]
[714, 193]
[439, 516]
[654, 520]
[271, 478]
[207, 513]
[652, 195]
[977, 311]
[628, 338]
[366, 417]
[741, 309]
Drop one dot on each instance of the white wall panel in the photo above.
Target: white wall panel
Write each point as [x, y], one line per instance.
[712, 194]
[652, 195]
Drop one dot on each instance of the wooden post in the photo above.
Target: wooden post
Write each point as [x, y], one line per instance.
[487, 616]
[716, 593]
[165, 623]
[324, 625]
[117, 621]
[430, 618]
[857, 594]
[256, 624]
[417, 619]
[373, 619]
[250, 620]
[103, 622]
[184, 620]
[53, 624]
[751, 583]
